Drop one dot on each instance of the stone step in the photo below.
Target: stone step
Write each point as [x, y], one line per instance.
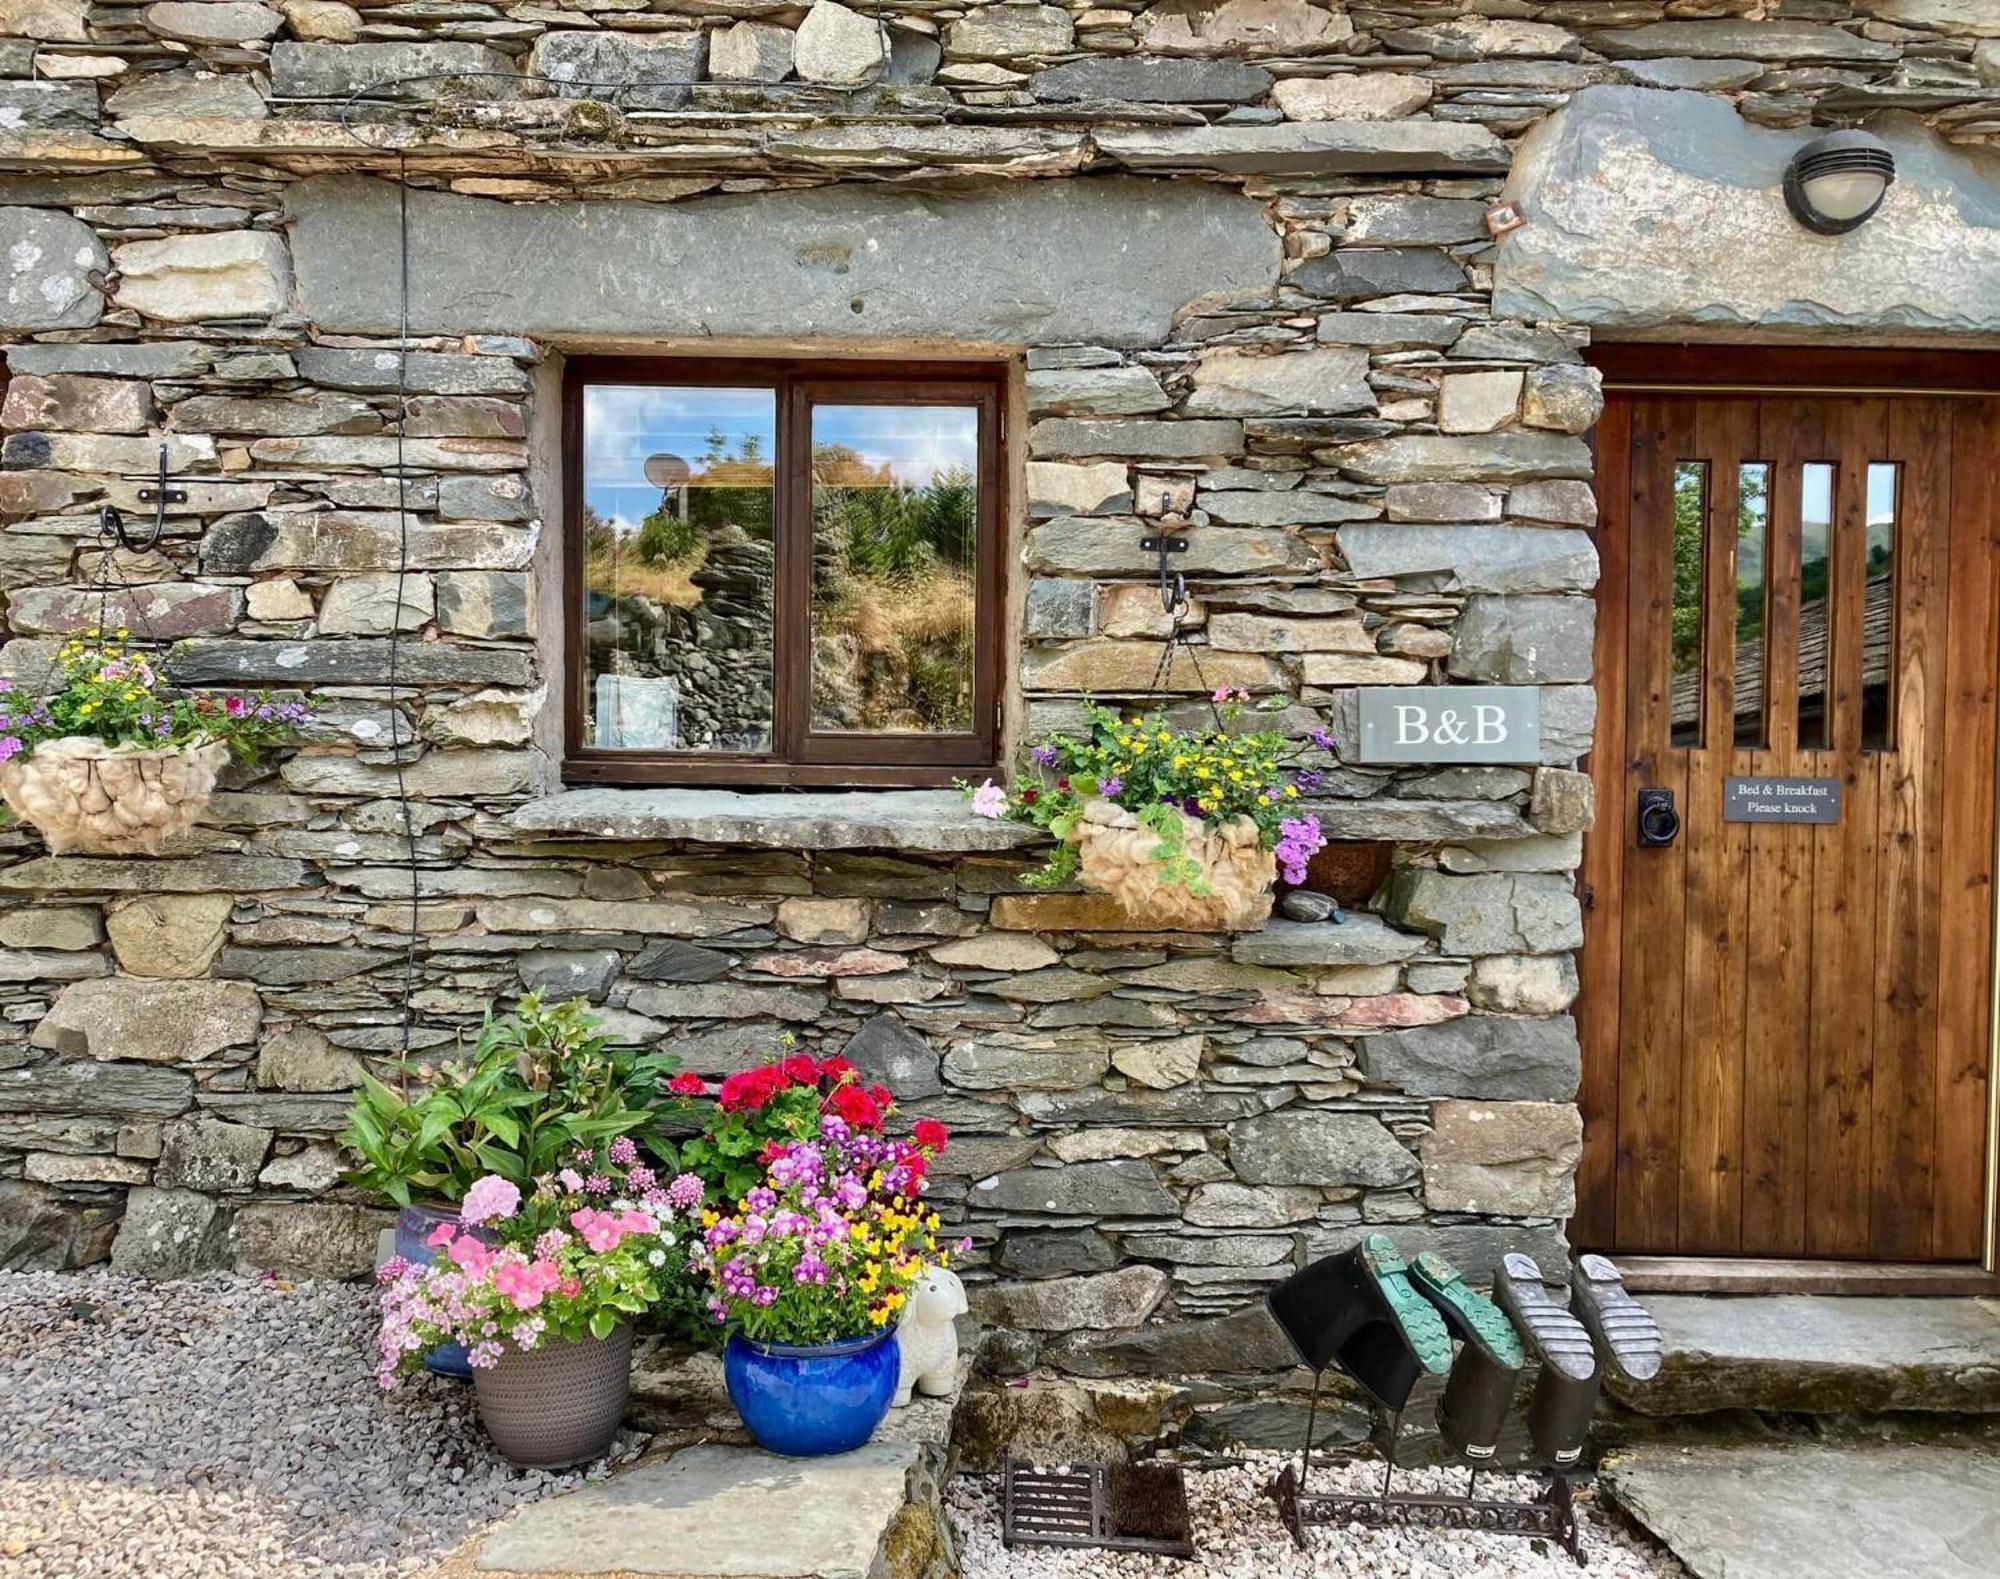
[1822, 1354]
[731, 1512]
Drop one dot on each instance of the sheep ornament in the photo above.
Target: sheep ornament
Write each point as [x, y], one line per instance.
[926, 1340]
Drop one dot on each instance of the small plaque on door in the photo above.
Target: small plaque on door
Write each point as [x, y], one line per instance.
[1780, 800]
[1450, 723]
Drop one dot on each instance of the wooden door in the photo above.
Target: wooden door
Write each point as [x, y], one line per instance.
[1785, 1021]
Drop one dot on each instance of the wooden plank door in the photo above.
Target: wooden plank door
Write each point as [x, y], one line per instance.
[1786, 1020]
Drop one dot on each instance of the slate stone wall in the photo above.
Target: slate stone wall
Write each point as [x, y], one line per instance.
[1240, 249]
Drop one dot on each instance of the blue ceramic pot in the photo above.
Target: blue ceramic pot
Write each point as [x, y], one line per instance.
[805, 1402]
[413, 1227]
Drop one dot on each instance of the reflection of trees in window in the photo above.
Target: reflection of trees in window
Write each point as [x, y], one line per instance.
[1690, 518]
[893, 595]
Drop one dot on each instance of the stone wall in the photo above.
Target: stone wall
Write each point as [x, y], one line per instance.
[1241, 251]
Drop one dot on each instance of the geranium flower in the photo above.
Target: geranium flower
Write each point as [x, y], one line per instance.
[688, 1084]
[989, 800]
[489, 1198]
[930, 1134]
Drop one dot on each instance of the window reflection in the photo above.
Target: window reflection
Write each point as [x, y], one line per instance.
[1753, 514]
[895, 507]
[1690, 545]
[678, 504]
[1815, 602]
[1878, 623]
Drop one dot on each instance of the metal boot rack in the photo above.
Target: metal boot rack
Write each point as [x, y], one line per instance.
[1322, 1310]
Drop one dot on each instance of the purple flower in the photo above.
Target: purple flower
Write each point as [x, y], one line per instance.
[1045, 755]
[1323, 738]
[1298, 839]
[1110, 784]
[1309, 779]
[10, 745]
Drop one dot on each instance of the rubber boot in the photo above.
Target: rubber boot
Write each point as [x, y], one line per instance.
[1490, 1358]
[1628, 1340]
[1360, 1312]
[1565, 1395]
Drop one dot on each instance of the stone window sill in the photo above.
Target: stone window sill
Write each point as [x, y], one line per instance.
[934, 821]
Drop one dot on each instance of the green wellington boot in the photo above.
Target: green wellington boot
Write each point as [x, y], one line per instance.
[1361, 1312]
[1481, 1387]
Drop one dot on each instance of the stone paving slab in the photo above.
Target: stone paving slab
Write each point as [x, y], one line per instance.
[1821, 1354]
[729, 1512]
[1814, 1510]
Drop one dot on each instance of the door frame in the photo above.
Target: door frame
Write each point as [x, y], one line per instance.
[1648, 367]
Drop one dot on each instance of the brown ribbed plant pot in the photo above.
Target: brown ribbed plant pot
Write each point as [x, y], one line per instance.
[1115, 853]
[87, 796]
[559, 1404]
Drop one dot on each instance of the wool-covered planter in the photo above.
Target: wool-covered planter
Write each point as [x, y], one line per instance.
[99, 799]
[1116, 857]
[558, 1403]
[805, 1401]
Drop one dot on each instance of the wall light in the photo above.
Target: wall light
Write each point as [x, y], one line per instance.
[1836, 182]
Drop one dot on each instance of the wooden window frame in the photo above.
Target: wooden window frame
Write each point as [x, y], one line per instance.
[799, 756]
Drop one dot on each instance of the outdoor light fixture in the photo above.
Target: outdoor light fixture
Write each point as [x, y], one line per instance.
[1836, 182]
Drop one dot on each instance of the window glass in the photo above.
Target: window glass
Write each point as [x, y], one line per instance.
[1878, 619]
[678, 507]
[1753, 518]
[1690, 553]
[895, 514]
[1815, 604]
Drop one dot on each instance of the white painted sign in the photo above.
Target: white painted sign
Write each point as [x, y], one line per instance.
[1451, 723]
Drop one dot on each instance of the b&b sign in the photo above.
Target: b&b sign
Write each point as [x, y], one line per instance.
[1451, 723]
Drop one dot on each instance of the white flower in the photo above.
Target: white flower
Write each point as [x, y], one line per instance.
[656, 1258]
[989, 800]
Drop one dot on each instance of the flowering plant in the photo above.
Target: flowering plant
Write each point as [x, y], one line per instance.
[542, 1084]
[778, 1102]
[581, 1254]
[113, 694]
[1159, 772]
[829, 1245]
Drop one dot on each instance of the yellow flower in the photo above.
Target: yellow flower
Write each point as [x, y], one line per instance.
[1263, 800]
[1291, 792]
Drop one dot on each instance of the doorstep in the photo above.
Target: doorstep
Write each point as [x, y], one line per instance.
[700, 1508]
[1822, 1354]
[1824, 1508]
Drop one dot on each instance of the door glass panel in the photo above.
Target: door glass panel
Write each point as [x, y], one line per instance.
[895, 513]
[1690, 539]
[1753, 520]
[1815, 604]
[1878, 622]
[677, 513]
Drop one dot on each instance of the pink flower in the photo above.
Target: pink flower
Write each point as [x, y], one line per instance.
[489, 1198]
[600, 1230]
[442, 1235]
[989, 800]
[623, 1151]
[470, 1256]
[236, 706]
[572, 1181]
[10, 745]
[524, 1283]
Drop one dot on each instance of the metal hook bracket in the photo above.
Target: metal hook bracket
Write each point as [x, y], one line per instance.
[112, 523]
[1173, 585]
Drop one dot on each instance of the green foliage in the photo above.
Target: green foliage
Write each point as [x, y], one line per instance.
[883, 528]
[541, 1084]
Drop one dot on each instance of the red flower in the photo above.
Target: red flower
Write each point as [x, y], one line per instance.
[1030, 796]
[857, 1107]
[882, 1097]
[773, 1150]
[837, 1069]
[751, 1089]
[688, 1084]
[930, 1134]
[800, 1070]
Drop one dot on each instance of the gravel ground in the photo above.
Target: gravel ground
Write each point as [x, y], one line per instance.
[227, 1427]
[1237, 1536]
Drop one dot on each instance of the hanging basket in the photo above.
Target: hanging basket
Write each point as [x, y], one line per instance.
[1116, 855]
[101, 799]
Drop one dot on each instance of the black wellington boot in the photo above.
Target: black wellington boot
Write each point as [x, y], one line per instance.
[1360, 1312]
[1628, 1339]
[1476, 1398]
[1565, 1395]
